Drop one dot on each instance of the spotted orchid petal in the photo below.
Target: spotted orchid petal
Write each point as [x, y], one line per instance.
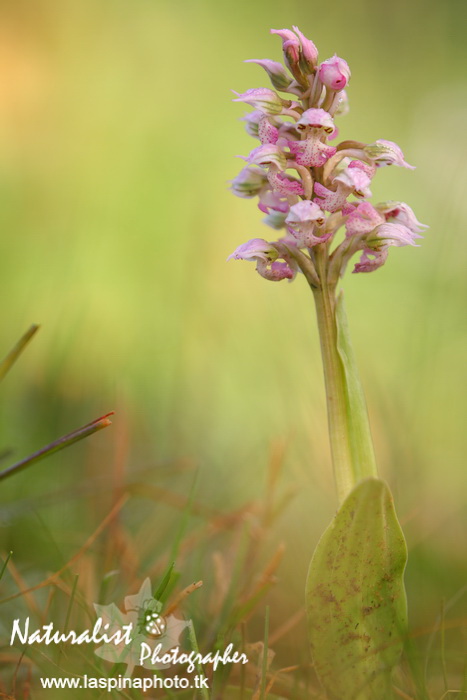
[275, 272]
[284, 184]
[312, 152]
[264, 99]
[369, 264]
[362, 219]
[384, 152]
[331, 200]
[334, 73]
[278, 76]
[267, 132]
[367, 168]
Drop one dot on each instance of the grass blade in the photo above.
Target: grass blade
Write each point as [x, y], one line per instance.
[199, 668]
[58, 445]
[165, 582]
[5, 564]
[264, 669]
[13, 355]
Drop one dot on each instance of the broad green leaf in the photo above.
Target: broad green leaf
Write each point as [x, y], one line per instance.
[355, 596]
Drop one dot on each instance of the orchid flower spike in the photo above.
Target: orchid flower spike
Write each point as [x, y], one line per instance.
[330, 187]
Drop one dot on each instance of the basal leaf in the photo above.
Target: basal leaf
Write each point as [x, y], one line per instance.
[355, 596]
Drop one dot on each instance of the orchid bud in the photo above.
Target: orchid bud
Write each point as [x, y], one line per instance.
[278, 76]
[308, 52]
[334, 73]
[290, 47]
[249, 182]
[384, 152]
[267, 101]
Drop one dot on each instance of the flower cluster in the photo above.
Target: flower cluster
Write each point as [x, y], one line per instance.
[307, 187]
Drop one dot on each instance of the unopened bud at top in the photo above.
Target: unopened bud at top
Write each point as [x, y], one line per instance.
[334, 73]
[308, 52]
[300, 53]
[290, 46]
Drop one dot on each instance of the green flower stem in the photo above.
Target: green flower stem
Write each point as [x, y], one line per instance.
[349, 432]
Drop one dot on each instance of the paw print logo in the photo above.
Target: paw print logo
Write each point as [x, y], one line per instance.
[154, 624]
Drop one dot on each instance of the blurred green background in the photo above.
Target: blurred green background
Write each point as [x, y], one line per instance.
[117, 140]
